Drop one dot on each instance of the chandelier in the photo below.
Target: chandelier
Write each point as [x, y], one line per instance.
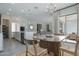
[51, 8]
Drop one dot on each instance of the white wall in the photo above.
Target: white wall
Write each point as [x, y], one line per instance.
[14, 19]
[78, 19]
[1, 42]
[34, 24]
[44, 20]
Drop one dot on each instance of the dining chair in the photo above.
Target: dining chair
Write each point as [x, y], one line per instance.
[35, 50]
[73, 49]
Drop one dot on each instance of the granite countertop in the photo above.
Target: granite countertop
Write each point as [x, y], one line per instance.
[47, 38]
[54, 39]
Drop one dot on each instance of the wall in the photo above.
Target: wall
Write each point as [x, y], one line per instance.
[21, 22]
[13, 19]
[78, 19]
[1, 42]
[34, 24]
[44, 20]
[64, 12]
[1, 36]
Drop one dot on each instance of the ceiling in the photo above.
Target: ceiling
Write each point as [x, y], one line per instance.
[31, 11]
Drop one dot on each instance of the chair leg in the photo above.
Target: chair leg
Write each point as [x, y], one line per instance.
[26, 48]
[26, 53]
[35, 51]
[76, 48]
[60, 53]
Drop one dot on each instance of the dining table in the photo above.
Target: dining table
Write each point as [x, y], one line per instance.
[50, 42]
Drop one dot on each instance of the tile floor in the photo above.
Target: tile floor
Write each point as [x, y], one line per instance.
[11, 47]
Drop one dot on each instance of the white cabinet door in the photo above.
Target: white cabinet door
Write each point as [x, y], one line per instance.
[17, 36]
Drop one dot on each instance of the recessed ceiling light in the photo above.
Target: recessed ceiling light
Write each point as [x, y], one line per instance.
[10, 9]
[22, 10]
[55, 5]
[35, 7]
[12, 3]
[51, 4]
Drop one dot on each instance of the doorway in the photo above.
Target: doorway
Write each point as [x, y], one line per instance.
[39, 27]
[5, 28]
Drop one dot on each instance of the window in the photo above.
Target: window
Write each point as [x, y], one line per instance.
[71, 24]
[68, 24]
[15, 27]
